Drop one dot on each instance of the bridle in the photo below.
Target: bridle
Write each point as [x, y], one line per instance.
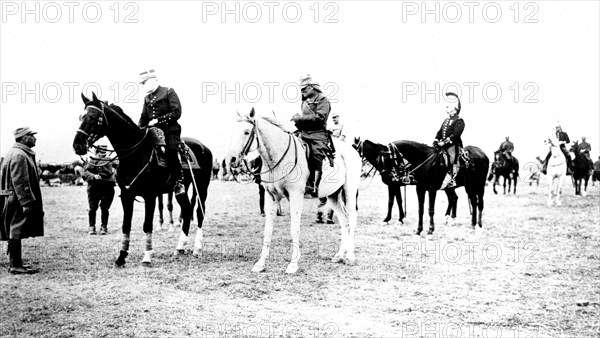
[93, 137]
[254, 136]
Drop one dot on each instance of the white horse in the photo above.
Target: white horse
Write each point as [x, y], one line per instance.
[284, 174]
[557, 170]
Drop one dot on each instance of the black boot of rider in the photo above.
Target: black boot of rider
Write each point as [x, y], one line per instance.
[315, 192]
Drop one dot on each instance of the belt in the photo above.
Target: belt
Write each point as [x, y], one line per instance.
[6, 192]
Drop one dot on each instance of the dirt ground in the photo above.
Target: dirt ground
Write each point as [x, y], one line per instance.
[531, 271]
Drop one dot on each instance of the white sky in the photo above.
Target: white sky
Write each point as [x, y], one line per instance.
[372, 55]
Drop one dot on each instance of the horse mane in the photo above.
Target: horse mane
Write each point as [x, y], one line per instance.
[274, 121]
[121, 113]
[416, 145]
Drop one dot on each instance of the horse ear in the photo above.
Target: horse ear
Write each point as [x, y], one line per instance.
[252, 113]
[94, 97]
[85, 99]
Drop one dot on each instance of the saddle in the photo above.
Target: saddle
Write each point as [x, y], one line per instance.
[330, 154]
[184, 154]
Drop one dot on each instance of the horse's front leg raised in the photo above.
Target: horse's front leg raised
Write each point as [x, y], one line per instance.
[127, 203]
[150, 203]
[432, 193]
[268, 232]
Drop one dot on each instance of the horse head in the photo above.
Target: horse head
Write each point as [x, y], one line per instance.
[371, 151]
[93, 124]
[243, 139]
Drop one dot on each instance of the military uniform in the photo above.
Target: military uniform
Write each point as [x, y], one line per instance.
[313, 126]
[163, 104]
[563, 138]
[450, 132]
[101, 191]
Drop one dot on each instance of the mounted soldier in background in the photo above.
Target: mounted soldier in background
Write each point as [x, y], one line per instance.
[561, 138]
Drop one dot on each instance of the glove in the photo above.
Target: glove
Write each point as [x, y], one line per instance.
[152, 122]
[97, 177]
[435, 143]
[27, 210]
[295, 117]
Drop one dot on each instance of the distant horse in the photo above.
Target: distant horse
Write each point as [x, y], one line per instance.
[161, 207]
[429, 169]
[556, 171]
[509, 170]
[583, 170]
[139, 174]
[394, 192]
[285, 172]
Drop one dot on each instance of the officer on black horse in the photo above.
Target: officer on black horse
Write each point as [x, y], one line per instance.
[161, 110]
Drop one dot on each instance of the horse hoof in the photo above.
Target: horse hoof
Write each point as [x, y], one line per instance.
[349, 261]
[258, 268]
[292, 268]
[336, 259]
[197, 253]
[146, 264]
[119, 264]
[178, 252]
[384, 223]
[430, 232]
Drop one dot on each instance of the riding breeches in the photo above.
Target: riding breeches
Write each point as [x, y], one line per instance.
[100, 194]
[318, 151]
[452, 150]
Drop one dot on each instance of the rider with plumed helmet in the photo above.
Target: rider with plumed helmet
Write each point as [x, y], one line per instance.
[448, 138]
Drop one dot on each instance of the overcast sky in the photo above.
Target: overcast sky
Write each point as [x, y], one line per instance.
[385, 65]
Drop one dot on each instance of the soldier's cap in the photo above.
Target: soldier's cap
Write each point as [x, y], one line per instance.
[306, 81]
[147, 75]
[20, 132]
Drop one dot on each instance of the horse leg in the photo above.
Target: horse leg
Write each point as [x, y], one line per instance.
[390, 205]
[186, 215]
[399, 202]
[561, 180]
[421, 197]
[261, 199]
[200, 214]
[170, 210]
[161, 220]
[496, 182]
[504, 184]
[432, 194]
[127, 203]
[352, 220]
[342, 216]
[268, 232]
[479, 194]
[550, 188]
[150, 203]
[296, 201]
[474, 201]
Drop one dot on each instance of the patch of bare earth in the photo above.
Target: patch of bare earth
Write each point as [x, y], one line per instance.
[530, 271]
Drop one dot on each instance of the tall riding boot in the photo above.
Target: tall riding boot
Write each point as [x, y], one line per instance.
[179, 185]
[454, 173]
[92, 222]
[330, 217]
[309, 183]
[104, 221]
[545, 165]
[16, 261]
[315, 192]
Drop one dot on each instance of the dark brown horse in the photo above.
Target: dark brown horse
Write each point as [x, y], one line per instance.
[427, 169]
[139, 173]
[583, 168]
[507, 169]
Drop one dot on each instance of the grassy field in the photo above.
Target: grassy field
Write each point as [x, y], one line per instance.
[531, 271]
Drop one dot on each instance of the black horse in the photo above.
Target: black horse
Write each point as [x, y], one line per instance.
[583, 169]
[428, 168]
[394, 192]
[139, 173]
[508, 169]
